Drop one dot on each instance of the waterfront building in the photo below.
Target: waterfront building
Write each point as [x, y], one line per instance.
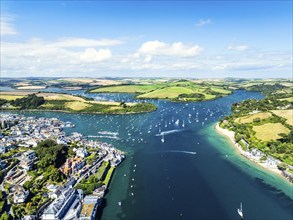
[100, 192]
[66, 204]
[74, 210]
[89, 207]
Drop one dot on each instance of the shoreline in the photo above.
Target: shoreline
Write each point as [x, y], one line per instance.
[230, 136]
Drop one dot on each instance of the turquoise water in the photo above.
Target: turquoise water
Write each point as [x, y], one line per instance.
[188, 176]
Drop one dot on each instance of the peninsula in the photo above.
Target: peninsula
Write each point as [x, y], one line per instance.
[262, 130]
[18, 100]
[173, 90]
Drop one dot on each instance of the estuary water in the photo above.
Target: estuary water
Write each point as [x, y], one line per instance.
[188, 171]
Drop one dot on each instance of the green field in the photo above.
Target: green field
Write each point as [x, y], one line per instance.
[128, 88]
[221, 90]
[269, 131]
[174, 90]
[77, 106]
[250, 118]
[10, 97]
[166, 93]
[287, 114]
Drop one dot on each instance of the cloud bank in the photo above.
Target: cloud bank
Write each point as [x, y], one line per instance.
[6, 26]
[158, 48]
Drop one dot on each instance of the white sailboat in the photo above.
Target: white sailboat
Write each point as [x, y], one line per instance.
[163, 139]
[240, 211]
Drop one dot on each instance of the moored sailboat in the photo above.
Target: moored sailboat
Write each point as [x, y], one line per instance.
[163, 139]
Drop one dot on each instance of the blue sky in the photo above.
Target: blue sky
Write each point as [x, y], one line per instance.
[201, 39]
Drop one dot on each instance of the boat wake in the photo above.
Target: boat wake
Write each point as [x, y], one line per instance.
[179, 151]
[102, 136]
[169, 132]
[108, 132]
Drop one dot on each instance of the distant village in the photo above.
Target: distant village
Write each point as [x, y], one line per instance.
[28, 192]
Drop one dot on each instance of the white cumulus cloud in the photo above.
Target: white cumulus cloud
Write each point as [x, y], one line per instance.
[147, 59]
[92, 55]
[158, 48]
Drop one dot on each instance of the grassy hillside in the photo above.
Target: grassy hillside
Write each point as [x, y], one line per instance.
[127, 88]
[250, 118]
[287, 114]
[264, 124]
[270, 131]
[181, 90]
[166, 93]
[70, 103]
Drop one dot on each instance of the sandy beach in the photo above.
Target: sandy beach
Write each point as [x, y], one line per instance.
[230, 136]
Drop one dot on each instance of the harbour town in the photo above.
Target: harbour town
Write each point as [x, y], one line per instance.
[46, 174]
[146, 110]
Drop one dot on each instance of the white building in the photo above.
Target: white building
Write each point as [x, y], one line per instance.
[19, 194]
[29, 155]
[65, 204]
[81, 152]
